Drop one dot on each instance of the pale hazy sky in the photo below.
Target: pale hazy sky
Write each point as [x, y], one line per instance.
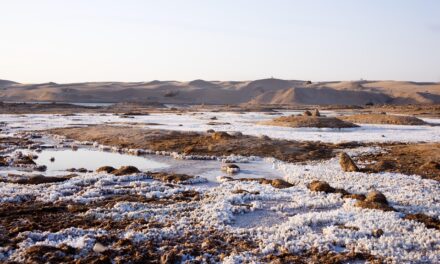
[90, 40]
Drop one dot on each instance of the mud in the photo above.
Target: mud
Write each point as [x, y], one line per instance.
[313, 256]
[421, 159]
[192, 143]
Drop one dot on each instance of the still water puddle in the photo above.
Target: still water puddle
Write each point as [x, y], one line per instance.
[91, 160]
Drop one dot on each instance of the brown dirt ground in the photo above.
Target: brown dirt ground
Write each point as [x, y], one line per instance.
[31, 216]
[421, 159]
[416, 110]
[203, 144]
[384, 119]
[308, 121]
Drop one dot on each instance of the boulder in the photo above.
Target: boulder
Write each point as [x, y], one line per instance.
[347, 164]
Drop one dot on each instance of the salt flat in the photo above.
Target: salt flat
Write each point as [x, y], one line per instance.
[263, 220]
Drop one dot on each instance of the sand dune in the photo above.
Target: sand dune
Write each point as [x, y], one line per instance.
[265, 91]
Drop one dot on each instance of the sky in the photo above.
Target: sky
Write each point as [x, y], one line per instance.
[109, 40]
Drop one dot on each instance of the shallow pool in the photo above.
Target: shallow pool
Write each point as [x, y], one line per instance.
[91, 160]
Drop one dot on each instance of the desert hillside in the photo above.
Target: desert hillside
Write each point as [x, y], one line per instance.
[265, 91]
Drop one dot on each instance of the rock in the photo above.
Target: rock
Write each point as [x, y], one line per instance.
[355, 196]
[264, 137]
[213, 118]
[220, 135]
[347, 164]
[320, 186]
[236, 134]
[316, 113]
[307, 113]
[377, 233]
[377, 197]
[209, 131]
[99, 248]
[3, 161]
[230, 168]
[82, 170]
[375, 200]
[125, 170]
[52, 159]
[40, 168]
[280, 184]
[106, 169]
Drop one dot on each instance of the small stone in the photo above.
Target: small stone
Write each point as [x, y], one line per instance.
[40, 168]
[347, 164]
[106, 169]
[125, 170]
[280, 184]
[230, 168]
[316, 113]
[377, 197]
[307, 113]
[320, 186]
[99, 248]
[377, 233]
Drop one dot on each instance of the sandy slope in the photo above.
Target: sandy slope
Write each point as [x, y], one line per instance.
[265, 91]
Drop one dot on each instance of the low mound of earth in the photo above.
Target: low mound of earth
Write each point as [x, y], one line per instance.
[193, 143]
[413, 110]
[384, 119]
[420, 159]
[309, 121]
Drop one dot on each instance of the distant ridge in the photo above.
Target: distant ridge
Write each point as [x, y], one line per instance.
[264, 91]
[5, 83]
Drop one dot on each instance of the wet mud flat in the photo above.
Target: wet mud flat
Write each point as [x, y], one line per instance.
[209, 144]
